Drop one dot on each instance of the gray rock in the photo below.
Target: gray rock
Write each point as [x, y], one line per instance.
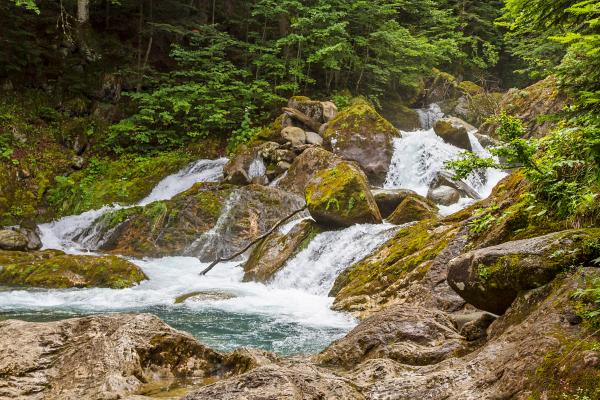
[296, 136]
[12, 241]
[99, 357]
[329, 110]
[444, 195]
[314, 138]
[486, 141]
[446, 179]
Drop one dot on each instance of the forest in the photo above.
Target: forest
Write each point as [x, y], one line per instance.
[300, 199]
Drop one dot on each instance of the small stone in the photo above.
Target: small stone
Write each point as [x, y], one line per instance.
[78, 162]
[314, 138]
[12, 241]
[444, 195]
[294, 135]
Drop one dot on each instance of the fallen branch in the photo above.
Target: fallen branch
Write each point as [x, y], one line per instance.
[262, 237]
[305, 119]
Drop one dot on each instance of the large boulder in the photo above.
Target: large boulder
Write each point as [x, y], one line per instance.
[205, 221]
[272, 253]
[12, 240]
[55, 269]
[245, 166]
[454, 131]
[340, 196]
[305, 166]
[413, 208]
[408, 335]
[400, 115]
[296, 136]
[490, 278]
[389, 199]
[250, 212]
[99, 357]
[543, 98]
[358, 133]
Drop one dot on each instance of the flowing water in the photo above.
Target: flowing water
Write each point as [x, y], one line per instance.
[289, 315]
[420, 155]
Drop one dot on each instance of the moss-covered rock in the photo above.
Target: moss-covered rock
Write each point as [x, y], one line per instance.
[454, 131]
[272, 253]
[340, 196]
[409, 253]
[163, 227]
[305, 166]
[413, 208]
[358, 133]
[54, 269]
[389, 199]
[400, 115]
[534, 105]
[490, 278]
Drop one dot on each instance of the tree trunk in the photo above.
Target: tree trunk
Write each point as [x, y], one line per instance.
[83, 11]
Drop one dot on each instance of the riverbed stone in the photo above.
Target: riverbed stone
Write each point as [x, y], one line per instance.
[413, 208]
[305, 166]
[389, 199]
[444, 195]
[340, 197]
[12, 240]
[269, 256]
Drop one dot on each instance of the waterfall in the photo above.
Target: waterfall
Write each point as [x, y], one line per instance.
[429, 115]
[420, 155]
[75, 232]
[315, 268]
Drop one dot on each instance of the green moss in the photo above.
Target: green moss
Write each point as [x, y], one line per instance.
[470, 88]
[339, 193]
[413, 208]
[564, 375]
[59, 270]
[411, 248]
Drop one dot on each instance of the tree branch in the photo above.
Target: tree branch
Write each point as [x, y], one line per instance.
[262, 237]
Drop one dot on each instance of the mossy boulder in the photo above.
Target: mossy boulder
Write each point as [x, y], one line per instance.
[400, 115]
[533, 105]
[359, 133]
[389, 199]
[163, 227]
[454, 131]
[408, 255]
[340, 196]
[272, 253]
[490, 278]
[305, 166]
[55, 269]
[413, 208]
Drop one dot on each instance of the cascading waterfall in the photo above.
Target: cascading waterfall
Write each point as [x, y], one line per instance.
[315, 268]
[430, 115]
[77, 233]
[420, 155]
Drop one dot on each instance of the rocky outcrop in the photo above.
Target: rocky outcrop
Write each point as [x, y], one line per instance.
[305, 166]
[413, 208]
[249, 212]
[340, 196]
[55, 269]
[284, 381]
[389, 199]
[360, 134]
[99, 357]
[408, 335]
[543, 98]
[454, 131]
[490, 278]
[272, 253]
[161, 228]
